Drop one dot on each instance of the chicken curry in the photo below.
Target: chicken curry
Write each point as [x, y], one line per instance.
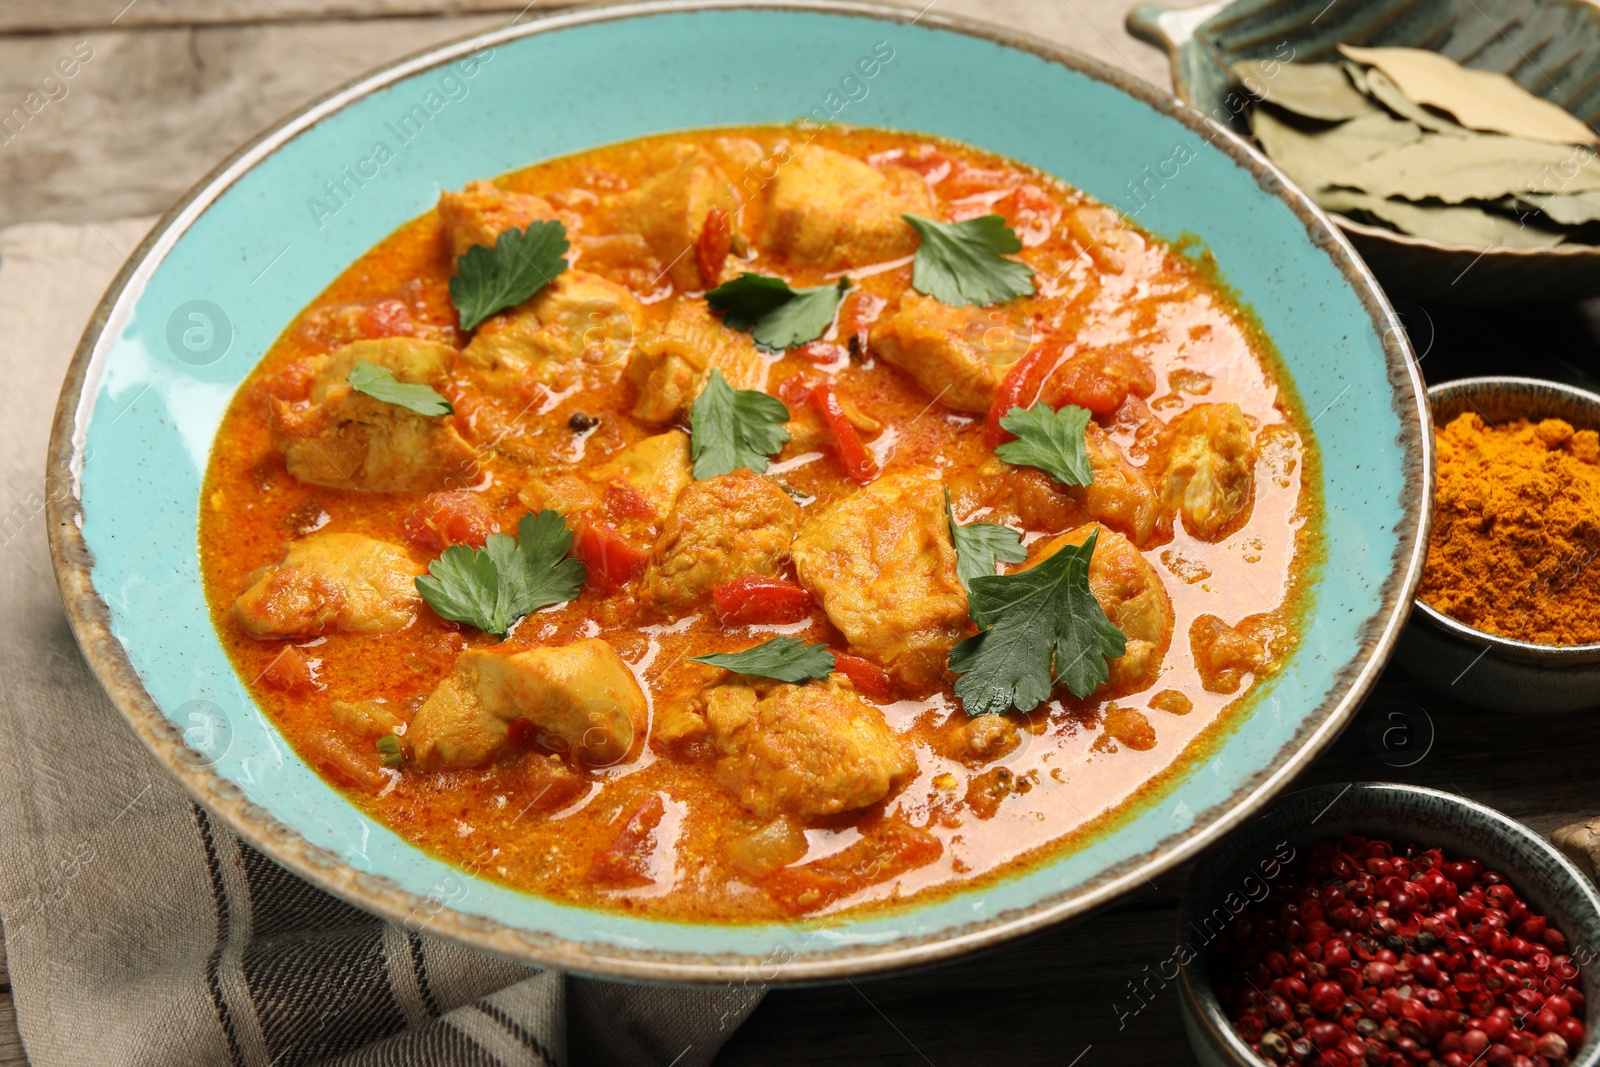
[757, 522]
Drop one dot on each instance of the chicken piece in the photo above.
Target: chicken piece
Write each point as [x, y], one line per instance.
[479, 213]
[1131, 594]
[657, 468]
[580, 700]
[958, 355]
[1120, 494]
[348, 440]
[1016, 496]
[979, 739]
[1224, 655]
[579, 319]
[680, 700]
[720, 529]
[566, 494]
[881, 564]
[1125, 728]
[625, 258]
[1208, 466]
[672, 362]
[331, 583]
[804, 750]
[833, 211]
[669, 211]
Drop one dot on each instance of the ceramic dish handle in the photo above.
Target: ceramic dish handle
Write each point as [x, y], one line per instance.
[1169, 28]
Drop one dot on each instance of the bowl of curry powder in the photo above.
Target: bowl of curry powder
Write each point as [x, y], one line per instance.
[1508, 613]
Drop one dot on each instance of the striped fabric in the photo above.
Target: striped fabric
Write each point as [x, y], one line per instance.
[138, 930]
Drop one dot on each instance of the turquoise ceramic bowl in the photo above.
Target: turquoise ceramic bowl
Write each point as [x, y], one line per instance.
[1222, 880]
[227, 268]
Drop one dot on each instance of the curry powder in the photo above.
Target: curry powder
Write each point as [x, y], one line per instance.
[1516, 530]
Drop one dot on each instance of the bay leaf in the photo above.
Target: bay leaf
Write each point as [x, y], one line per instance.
[1480, 167]
[1479, 99]
[1569, 209]
[1315, 90]
[1314, 158]
[1447, 224]
[1387, 93]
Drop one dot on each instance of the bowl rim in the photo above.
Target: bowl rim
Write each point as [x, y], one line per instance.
[1194, 19]
[1194, 981]
[1509, 647]
[90, 617]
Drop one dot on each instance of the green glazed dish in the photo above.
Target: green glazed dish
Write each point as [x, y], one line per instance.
[1551, 47]
[229, 266]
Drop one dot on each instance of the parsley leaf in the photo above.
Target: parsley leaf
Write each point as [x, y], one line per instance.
[788, 659]
[1041, 626]
[1053, 441]
[380, 384]
[964, 263]
[731, 428]
[777, 316]
[521, 263]
[492, 587]
[980, 544]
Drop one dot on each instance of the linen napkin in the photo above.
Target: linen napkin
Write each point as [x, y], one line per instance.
[138, 929]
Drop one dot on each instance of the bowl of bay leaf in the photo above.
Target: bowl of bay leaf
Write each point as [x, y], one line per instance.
[1451, 140]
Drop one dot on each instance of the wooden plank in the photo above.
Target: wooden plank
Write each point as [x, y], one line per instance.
[61, 15]
[11, 1054]
[149, 111]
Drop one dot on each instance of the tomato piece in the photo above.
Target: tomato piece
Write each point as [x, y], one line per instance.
[623, 501]
[711, 247]
[757, 598]
[289, 672]
[625, 862]
[865, 675]
[610, 560]
[445, 519]
[825, 354]
[885, 851]
[1100, 381]
[1017, 389]
[340, 758]
[928, 161]
[386, 318]
[795, 390]
[853, 455]
[291, 384]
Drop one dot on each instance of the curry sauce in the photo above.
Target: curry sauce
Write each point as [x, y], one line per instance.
[703, 807]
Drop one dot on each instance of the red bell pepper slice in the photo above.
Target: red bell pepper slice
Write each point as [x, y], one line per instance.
[711, 247]
[1021, 381]
[853, 455]
[756, 598]
[865, 675]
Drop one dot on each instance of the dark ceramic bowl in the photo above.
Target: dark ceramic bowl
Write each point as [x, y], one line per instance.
[1551, 48]
[1483, 669]
[1547, 880]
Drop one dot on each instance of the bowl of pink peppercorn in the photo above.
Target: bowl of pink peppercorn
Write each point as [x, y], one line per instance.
[1378, 925]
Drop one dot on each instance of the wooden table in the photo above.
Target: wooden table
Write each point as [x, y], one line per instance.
[175, 85]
